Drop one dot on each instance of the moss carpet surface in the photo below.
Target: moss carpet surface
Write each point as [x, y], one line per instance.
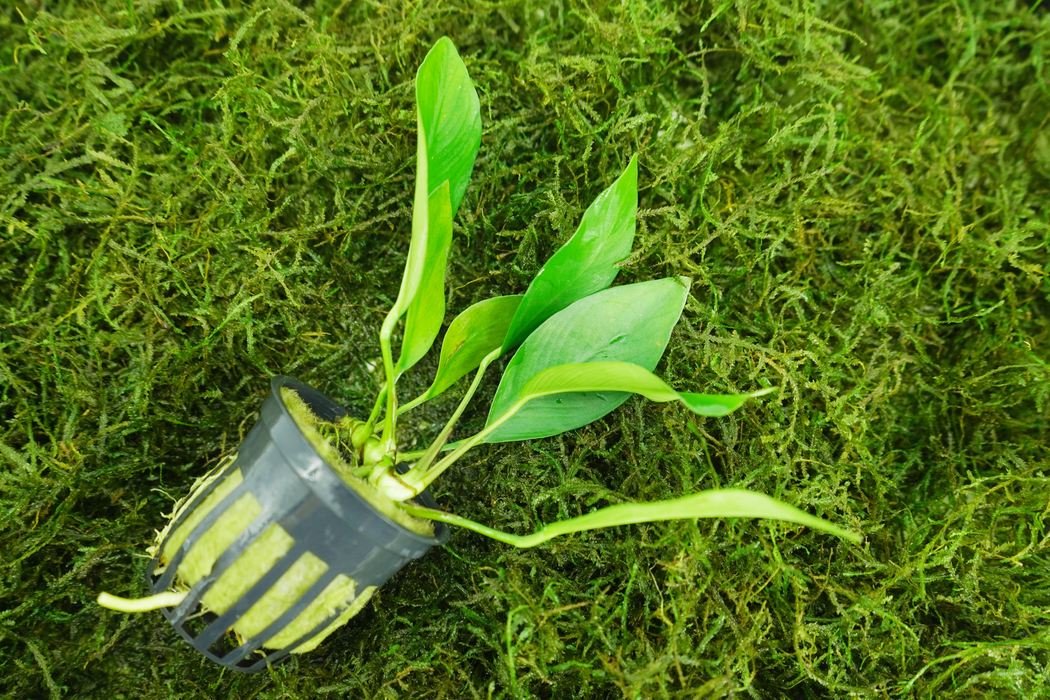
[196, 195]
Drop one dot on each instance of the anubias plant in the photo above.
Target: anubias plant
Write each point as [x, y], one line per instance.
[580, 349]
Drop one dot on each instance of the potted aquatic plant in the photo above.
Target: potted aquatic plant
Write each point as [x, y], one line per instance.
[289, 536]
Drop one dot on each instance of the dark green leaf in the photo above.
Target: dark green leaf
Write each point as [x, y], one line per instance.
[451, 116]
[631, 323]
[587, 263]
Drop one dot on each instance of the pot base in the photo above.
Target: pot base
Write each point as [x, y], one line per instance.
[277, 551]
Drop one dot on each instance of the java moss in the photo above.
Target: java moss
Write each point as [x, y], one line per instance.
[195, 196]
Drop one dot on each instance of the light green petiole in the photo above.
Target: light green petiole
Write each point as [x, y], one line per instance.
[412, 404]
[388, 368]
[432, 452]
[439, 468]
[613, 376]
[380, 400]
[416, 454]
[409, 285]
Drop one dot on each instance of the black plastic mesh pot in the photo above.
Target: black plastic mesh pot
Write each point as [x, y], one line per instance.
[325, 523]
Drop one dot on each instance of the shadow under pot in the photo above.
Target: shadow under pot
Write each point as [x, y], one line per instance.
[279, 546]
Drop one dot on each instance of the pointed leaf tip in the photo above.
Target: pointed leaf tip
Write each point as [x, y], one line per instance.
[587, 263]
[630, 323]
[448, 106]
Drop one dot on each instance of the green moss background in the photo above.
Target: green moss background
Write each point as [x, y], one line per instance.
[198, 194]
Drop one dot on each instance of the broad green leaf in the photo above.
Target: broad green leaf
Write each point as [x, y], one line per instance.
[631, 323]
[451, 117]
[470, 338]
[716, 503]
[587, 263]
[426, 311]
[625, 376]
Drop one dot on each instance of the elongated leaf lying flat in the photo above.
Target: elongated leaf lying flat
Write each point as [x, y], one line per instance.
[587, 263]
[470, 338]
[426, 311]
[631, 323]
[720, 503]
[451, 115]
[624, 376]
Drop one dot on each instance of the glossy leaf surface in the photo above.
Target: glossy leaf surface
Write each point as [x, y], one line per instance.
[716, 503]
[625, 376]
[449, 124]
[426, 310]
[587, 263]
[470, 338]
[451, 117]
[631, 323]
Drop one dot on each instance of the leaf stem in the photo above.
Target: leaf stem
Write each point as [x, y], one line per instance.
[450, 519]
[412, 404]
[435, 447]
[416, 454]
[439, 468]
[380, 400]
[385, 332]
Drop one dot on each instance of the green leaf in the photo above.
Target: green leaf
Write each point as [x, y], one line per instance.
[587, 263]
[451, 116]
[415, 266]
[631, 323]
[716, 503]
[625, 376]
[426, 311]
[448, 120]
[470, 338]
